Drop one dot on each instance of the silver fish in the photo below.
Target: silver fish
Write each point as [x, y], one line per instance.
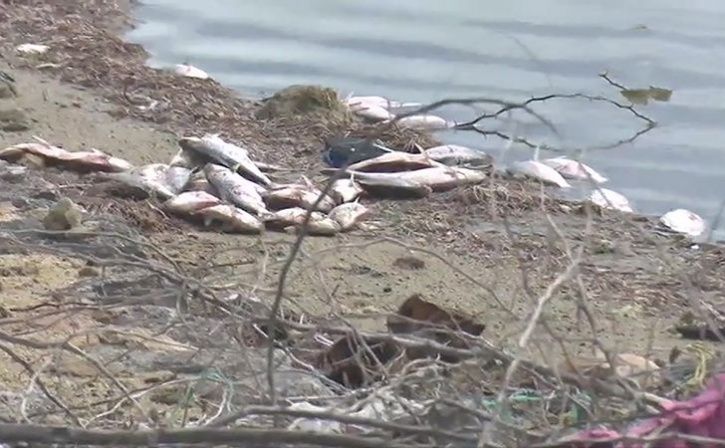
[235, 189]
[574, 169]
[90, 160]
[294, 217]
[156, 179]
[233, 219]
[458, 155]
[188, 159]
[297, 196]
[439, 178]
[606, 198]
[345, 190]
[537, 170]
[684, 221]
[226, 154]
[425, 122]
[393, 162]
[190, 202]
[349, 214]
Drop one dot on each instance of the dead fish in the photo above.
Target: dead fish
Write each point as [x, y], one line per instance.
[297, 196]
[190, 71]
[537, 170]
[379, 101]
[188, 159]
[349, 214]
[32, 48]
[233, 219]
[684, 221]
[199, 182]
[90, 160]
[294, 217]
[453, 155]
[394, 188]
[610, 199]
[438, 178]
[155, 179]
[573, 169]
[190, 202]
[225, 153]
[345, 190]
[372, 112]
[425, 122]
[393, 162]
[235, 189]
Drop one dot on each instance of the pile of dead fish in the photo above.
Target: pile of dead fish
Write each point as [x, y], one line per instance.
[214, 182]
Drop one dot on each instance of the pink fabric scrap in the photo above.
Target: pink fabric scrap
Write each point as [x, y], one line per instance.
[702, 415]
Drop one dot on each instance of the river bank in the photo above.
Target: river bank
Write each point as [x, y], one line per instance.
[488, 250]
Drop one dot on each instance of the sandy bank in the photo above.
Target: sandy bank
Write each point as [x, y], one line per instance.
[488, 250]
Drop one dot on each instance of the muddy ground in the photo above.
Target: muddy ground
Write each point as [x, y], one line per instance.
[113, 288]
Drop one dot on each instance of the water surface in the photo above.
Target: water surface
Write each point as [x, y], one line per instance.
[426, 50]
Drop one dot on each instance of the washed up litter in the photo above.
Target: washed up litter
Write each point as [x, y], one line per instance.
[701, 416]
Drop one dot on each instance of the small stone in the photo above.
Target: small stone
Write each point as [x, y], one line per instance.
[13, 120]
[87, 271]
[65, 215]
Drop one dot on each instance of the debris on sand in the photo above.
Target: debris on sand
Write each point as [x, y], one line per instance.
[64, 215]
[301, 100]
[701, 416]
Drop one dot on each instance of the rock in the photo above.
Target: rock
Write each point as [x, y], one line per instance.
[13, 120]
[65, 215]
[301, 100]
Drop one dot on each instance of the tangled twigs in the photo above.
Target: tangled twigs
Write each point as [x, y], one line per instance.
[201, 436]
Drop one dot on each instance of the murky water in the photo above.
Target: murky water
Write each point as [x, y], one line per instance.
[425, 50]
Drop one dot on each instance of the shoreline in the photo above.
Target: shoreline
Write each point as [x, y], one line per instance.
[635, 282]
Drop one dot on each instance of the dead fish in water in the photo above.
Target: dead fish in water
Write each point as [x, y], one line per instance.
[155, 179]
[573, 169]
[438, 178]
[46, 154]
[190, 202]
[233, 219]
[235, 189]
[190, 71]
[319, 224]
[610, 199]
[537, 170]
[226, 154]
[297, 196]
[345, 190]
[393, 162]
[349, 214]
[425, 122]
[684, 221]
[454, 155]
